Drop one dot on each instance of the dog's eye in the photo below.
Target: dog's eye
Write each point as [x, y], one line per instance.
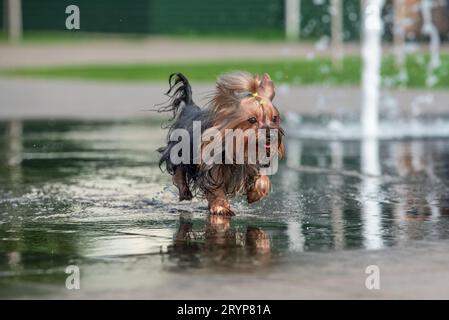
[252, 120]
[275, 119]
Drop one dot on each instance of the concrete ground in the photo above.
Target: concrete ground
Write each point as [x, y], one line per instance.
[165, 50]
[56, 99]
[413, 272]
[151, 50]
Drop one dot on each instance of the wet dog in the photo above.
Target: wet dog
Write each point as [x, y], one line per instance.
[242, 103]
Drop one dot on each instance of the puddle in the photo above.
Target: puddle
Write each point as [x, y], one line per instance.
[91, 194]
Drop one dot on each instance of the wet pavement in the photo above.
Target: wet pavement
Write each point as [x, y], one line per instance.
[90, 194]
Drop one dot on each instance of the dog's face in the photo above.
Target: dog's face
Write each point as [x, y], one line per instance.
[243, 101]
[259, 113]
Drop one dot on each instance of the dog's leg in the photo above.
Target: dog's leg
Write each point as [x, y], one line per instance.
[218, 203]
[258, 189]
[179, 180]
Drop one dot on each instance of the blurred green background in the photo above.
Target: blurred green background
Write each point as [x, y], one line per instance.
[258, 18]
[311, 58]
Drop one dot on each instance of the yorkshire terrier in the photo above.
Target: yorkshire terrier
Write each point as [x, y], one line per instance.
[240, 101]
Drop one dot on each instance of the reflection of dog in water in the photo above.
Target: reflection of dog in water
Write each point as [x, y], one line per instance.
[218, 242]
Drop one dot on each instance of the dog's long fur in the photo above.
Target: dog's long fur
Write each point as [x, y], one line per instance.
[236, 94]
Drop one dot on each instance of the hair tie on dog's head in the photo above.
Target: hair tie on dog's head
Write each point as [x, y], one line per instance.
[243, 94]
[255, 94]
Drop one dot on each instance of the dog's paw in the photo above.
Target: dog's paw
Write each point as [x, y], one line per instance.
[221, 210]
[254, 196]
[260, 189]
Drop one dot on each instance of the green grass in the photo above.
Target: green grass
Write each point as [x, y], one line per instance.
[300, 72]
[58, 37]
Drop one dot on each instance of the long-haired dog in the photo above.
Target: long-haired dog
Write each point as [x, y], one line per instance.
[240, 101]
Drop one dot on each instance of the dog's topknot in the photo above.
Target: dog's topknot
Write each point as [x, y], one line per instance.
[238, 83]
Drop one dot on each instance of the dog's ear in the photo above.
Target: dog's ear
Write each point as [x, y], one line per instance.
[281, 150]
[267, 86]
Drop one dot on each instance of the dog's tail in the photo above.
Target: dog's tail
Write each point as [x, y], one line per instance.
[179, 91]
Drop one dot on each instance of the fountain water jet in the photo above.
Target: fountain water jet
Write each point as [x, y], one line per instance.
[431, 30]
[372, 54]
[370, 166]
[413, 123]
